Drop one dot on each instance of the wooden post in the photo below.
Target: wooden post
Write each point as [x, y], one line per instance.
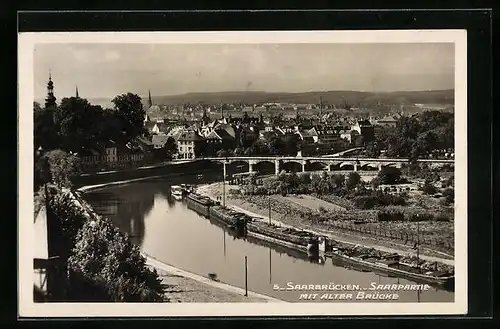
[246, 277]
[269, 199]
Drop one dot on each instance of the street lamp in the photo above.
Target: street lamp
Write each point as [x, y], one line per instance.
[269, 201]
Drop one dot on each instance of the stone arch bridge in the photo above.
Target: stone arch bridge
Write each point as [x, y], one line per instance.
[344, 163]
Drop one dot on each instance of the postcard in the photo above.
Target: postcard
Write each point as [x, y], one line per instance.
[304, 173]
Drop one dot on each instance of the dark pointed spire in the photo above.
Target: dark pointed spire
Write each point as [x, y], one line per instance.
[150, 101]
[76, 94]
[50, 101]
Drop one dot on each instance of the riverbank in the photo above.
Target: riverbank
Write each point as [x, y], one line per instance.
[186, 287]
[214, 191]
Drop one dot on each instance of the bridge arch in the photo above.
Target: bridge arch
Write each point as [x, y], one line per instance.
[317, 165]
[368, 166]
[265, 166]
[347, 165]
[292, 165]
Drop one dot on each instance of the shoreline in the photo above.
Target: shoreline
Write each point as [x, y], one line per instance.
[342, 237]
[192, 288]
[232, 293]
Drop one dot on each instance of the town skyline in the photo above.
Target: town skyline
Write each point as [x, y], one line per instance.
[103, 70]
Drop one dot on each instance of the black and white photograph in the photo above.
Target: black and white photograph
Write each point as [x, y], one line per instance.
[243, 173]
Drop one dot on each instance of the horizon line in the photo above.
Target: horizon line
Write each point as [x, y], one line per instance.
[261, 91]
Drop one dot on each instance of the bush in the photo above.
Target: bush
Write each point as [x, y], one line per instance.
[389, 175]
[62, 166]
[366, 201]
[234, 191]
[449, 195]
[429, 188]
[352, 180]
[260, 190]
[102, 262]
[388, 215]
[106, 256]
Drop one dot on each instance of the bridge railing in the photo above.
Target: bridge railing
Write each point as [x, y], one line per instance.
[274, 158]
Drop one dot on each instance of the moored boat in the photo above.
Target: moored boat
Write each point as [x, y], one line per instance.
[176, 191]
[199, 203]
[393, 266]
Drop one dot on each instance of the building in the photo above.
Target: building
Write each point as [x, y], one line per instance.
[388, 121]
[160, 128]
[189, 145]
[110, 151]
[159, 141]
[365, 129]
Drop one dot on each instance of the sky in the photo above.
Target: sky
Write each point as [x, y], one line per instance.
[106, 70]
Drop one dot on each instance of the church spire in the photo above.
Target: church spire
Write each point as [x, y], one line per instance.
[150, 101]
[50, 101]
[77, 96]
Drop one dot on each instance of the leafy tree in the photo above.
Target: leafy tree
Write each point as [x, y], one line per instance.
[260, 148]
[429, 188]
[373, 150]
[449, 195]
[290, 142]
[76, 120]
[249, 151]
[238, 151]
[389, 175]
[36, 107]
[45, 132]
[170, 147]
[104, 255]
[337, 180]
[130, 109]
[305, 178]
[353, 179]
[276, 146]
[63, 167]
[222, 153]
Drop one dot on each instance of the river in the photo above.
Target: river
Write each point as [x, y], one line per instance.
[166, 230]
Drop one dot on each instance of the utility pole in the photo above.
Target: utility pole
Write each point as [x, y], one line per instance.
[246, 277]
[418, 245]
[269, 201]
[224, 185]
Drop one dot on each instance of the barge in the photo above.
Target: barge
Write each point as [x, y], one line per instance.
[177, 192]
[199, 203]
[391, 265]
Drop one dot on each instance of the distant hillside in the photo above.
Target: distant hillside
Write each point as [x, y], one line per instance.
[353, 98]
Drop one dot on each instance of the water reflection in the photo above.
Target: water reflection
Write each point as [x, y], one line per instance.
[161, 226]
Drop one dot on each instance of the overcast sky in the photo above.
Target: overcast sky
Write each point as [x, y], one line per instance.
[106, 70]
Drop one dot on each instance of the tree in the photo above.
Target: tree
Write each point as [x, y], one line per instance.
[337, 180]
[238, 151]
[276, 146]
[103, 255]
[249, 151]
[352, 180]
[170, 147]
[130, 110]
[305, 178]
[222, 153]
[449, 195]
[76, 121]
[429, 188]
[62, 166]
[44, 130]
[290, 143]
[389, 175]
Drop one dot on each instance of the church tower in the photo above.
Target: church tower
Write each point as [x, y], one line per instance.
[150, 101]
[50, 101]
[77, 96]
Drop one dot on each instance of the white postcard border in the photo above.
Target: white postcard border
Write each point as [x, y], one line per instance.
[26, 305]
